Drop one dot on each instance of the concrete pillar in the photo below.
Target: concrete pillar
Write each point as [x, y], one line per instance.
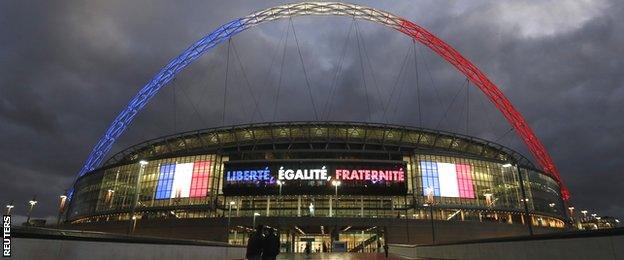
[268, 209]
[330, 206]
[361, 206]
[299, 206]
[238, 206]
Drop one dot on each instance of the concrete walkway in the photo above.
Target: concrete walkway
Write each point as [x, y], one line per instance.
[337, 256]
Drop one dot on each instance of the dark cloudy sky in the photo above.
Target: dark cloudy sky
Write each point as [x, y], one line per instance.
[67, 68]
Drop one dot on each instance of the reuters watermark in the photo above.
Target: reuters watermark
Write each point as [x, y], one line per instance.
[6, 236]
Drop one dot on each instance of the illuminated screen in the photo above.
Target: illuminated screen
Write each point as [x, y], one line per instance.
[183, 180]
[447, 179]
[314, 177]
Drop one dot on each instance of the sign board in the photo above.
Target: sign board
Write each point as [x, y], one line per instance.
[315, 177]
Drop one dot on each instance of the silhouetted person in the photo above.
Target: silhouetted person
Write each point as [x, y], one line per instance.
[308, 248]
[254, 244]
[271, 245]
[386, 249]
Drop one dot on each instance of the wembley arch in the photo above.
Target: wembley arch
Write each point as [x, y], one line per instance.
[414, 31]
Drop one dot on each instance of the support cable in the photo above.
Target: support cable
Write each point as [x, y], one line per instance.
[433, 85]
[173, 84]
[362, 70]
[420, 121]
[370, 66]
[279, 83]
[305, 73]
[503, 136]
[460, 114]
[396, 82]
[204, 122]
[451, 104]
[251, 93]
[268, 74]
[468, 108]
[328, 103]
[486, 114]
[401, 88]
[227, 70]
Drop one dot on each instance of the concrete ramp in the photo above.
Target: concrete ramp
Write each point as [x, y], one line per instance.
[38, 243]
[598, 244]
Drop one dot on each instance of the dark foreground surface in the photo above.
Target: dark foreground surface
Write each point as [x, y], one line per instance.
[336, 256]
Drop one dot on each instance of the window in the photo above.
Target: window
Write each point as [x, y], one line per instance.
[201, 179]
[165, 181]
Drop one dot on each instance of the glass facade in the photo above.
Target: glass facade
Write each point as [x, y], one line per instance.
[465, 181]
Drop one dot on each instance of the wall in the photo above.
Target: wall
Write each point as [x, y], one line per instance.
[400, 231]
[582, 245]
[28, 248]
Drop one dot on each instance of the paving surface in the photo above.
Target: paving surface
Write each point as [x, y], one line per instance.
[336, 256]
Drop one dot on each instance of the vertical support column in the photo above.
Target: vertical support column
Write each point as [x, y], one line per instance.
[299, 206]
[524, 200]
[137, 189]
[330, 206]
[361, 206]
[268, 208]
[238, 206]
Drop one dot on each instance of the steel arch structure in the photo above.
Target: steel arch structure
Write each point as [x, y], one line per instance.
[226, 31]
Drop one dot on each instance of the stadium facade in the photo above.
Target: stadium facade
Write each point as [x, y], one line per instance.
[357, 183]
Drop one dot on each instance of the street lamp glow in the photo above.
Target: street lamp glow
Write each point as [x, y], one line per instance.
[336, 183]
[571, 208]
[507, 165]
[256, 214]
[9, 207]
[584, 211]
[32, 202]
[232, 203]
[63, 197]
[143, 162]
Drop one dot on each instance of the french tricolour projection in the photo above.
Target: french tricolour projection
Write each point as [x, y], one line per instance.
[447, 179]
[183, 180]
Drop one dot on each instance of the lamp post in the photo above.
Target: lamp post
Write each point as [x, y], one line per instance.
[9, 207]
[229, 217]
[280, 183]
[488, 199]
[571, 210]
[109, 197]
[336, 183]
[137, 191]
[32, 204]
[254, 219]
[524, 199]
[134, 219]
[63, 199]
[584, 213]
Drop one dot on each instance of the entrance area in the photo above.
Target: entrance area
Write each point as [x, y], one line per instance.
[317, 243]
[321, 239]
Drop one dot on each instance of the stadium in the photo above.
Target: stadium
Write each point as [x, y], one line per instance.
[342, 186]
[356, 182]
